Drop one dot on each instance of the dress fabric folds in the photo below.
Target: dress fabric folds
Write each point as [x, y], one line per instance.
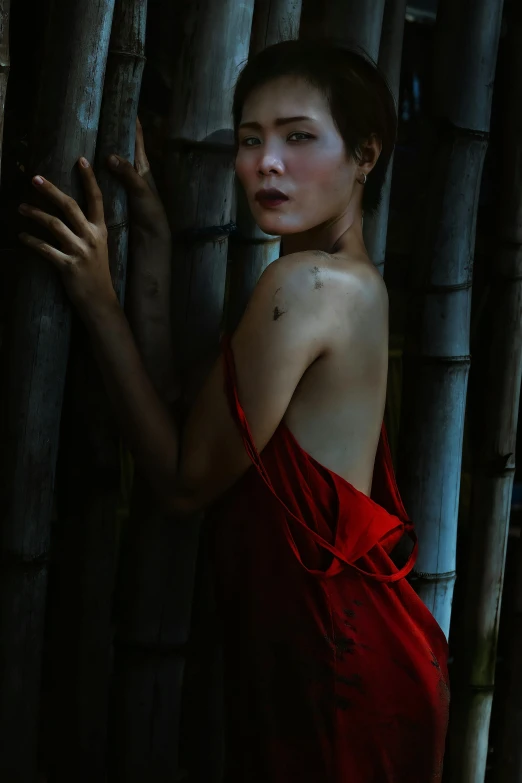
[335, 670]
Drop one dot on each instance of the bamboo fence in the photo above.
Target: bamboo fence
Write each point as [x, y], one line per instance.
[390, 56]
[65, 128]
[88, 476]
[5, 11]
[492, 484]
[498, 396]
[436, 355]
[358, 22]
[159, 557]
[251, 250]
[508, 758]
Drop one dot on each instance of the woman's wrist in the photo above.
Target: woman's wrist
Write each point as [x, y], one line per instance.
[100, 313]
[155, 232]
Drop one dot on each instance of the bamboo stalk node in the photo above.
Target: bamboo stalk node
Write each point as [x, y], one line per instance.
[498, 467]
[418, 358]
[243, 239]
[132, 55]
[497, 276]
[206, 233]
[433, 288]
[447, 130]
[116, 226]
[445, 577]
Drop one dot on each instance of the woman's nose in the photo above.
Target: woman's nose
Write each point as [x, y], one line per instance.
[270, 164]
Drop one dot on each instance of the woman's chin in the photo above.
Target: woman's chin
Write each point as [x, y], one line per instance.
[275, 226]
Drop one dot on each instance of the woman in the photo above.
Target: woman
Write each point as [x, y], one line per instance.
[335, 670]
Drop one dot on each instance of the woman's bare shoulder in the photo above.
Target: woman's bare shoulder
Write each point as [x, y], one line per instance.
[337, 276]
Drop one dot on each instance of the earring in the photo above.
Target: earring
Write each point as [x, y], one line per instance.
[364, 179]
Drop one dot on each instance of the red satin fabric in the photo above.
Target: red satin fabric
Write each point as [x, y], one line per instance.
[335, 670]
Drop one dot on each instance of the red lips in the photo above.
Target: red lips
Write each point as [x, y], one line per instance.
[270, 195]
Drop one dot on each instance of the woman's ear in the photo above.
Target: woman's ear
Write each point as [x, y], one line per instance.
[370, 152]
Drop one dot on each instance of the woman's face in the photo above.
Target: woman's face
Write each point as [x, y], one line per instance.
[288, 141]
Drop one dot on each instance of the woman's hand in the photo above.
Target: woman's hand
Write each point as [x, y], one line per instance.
[148, 215]
[82, 258]
[148, 289]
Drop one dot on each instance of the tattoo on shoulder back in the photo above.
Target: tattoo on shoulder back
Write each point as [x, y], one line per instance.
[278, 313]
[317, 275]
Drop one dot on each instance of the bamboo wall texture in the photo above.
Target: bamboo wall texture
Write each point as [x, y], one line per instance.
[436, 356]
[133, 675]
[495, 386]
[88, 476]
[389, 61]
[510, 750]
[65, 127]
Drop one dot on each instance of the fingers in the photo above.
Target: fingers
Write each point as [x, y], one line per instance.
[93, 193]
[53, 224]
[59, 259]
[128, 175]
[67, 204]
[149, 179]
[141, 162]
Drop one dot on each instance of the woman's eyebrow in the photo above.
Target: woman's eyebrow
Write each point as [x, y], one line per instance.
[279, 121]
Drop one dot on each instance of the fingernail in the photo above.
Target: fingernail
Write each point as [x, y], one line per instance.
[23, 208]
[84, 162]
[38, 180]
[22, 236]
[113, 160]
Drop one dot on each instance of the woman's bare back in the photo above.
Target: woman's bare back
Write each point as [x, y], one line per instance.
[337, 409]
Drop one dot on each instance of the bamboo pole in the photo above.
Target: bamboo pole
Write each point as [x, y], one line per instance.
[508, 767]
[358, 22]
[390, 56]
[496, 394]
[436, 355]
[65, 128]
[88, 478]
[274, 21]
[251, 250]
[5, 63]
[159, 556]
[493, 472]
[117, 131]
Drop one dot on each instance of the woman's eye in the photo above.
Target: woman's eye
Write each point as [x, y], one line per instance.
[303, 136]
[253, 141]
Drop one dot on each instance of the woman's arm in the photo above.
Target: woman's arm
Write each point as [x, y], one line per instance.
[287, 326]
[148, 427]
[148, 287]
[271, 356]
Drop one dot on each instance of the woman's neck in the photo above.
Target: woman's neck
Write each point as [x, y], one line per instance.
[342, 232]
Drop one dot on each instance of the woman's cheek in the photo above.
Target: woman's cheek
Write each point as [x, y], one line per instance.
[243, 171]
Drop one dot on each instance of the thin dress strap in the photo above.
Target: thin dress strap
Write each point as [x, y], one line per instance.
[248, 441]
[385, 491]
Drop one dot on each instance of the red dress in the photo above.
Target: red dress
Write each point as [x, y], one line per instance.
[335, 670]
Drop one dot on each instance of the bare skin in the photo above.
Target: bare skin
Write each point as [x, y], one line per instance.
[337, 409]
[312, 346]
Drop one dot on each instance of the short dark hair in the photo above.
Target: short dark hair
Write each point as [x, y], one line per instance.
[358, 94]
